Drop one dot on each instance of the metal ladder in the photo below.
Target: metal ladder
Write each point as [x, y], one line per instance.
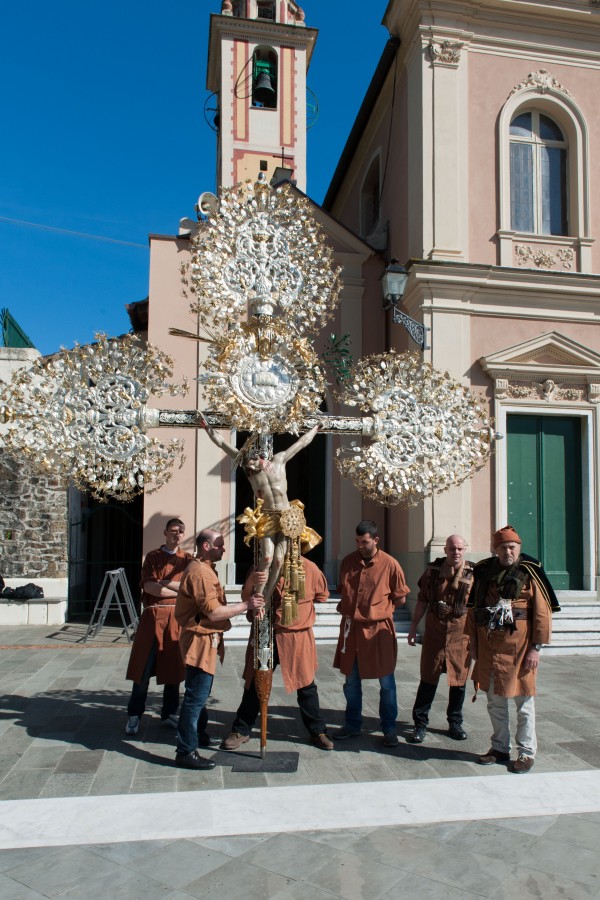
[113, 594]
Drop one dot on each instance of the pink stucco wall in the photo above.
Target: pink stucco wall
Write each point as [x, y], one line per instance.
[491, 80]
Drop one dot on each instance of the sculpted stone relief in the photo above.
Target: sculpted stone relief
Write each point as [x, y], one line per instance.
[547, 390]
[544, 258]
[542, 81]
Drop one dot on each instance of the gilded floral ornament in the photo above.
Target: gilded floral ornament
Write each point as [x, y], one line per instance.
[81, 414]
[430, 431]
[262, 254]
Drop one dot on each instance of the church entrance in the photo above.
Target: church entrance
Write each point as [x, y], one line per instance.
[545, 493]
[102, 536]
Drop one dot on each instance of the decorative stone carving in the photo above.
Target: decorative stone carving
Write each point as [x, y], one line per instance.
[445, 52]
[572, 395]
[544, 259]
[521, 391]
[547, 390]
[501, 387]
[594, 393]
[226, 8]
[542, 81]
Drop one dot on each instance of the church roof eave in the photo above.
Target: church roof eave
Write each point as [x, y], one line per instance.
[358, 128]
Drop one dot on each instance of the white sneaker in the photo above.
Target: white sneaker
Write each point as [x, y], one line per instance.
[133, 725]
[171, 721]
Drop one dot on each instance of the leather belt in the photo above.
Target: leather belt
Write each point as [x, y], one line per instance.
[521, 614]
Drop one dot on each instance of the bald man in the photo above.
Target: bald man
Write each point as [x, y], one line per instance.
[203, 614]
[444, 589]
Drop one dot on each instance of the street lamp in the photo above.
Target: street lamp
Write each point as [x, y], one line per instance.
[393, 285]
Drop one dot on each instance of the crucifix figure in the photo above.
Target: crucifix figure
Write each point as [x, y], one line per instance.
[275, 522]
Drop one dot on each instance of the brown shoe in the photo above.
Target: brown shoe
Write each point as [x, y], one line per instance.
[322, 741]
[522, 765]
[493, 756]
[234, 741]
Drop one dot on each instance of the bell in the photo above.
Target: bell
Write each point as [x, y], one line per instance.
[263, 90]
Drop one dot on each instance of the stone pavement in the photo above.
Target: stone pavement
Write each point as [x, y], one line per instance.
[67, 765]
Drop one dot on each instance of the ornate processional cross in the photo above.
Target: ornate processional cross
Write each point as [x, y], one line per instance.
[261, 282]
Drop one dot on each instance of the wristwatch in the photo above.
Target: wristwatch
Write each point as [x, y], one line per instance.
[537, 647]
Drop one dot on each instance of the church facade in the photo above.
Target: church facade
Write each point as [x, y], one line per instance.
[472, 161]
[472, 164]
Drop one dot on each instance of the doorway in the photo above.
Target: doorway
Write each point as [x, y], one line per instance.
[545, 497]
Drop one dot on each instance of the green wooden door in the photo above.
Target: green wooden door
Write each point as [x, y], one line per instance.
[545, 493]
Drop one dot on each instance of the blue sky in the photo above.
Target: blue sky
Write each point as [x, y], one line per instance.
[104, 133]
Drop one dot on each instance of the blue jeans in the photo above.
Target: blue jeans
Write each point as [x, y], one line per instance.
[388, 704]
[193, 717]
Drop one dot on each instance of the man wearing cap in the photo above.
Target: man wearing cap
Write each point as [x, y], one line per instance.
[444, 589]
[509, 621]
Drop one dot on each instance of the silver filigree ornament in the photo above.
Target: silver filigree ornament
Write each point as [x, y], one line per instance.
[263, 379]
[262, 254]
[263, 278]
[82, 415]
[430, 432]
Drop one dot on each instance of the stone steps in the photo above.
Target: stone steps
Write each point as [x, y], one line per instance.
[576, 628]
[327, 626]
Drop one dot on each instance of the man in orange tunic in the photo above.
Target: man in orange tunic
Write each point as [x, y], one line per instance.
[371, 584]
[296, 653]
[443, 591]
[203, 614]
[509, 621]
[155, 648]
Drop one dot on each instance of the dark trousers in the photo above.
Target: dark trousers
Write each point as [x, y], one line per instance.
[425, 697]
[308, 702]
[139, 691]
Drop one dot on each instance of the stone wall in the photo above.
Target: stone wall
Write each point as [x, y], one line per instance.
[33, 507]
[33, 523]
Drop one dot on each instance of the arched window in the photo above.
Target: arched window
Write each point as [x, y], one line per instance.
[264, 78]
[369, 199]
[538, 175]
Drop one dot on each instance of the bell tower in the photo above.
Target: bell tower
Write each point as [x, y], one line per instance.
[259, 53]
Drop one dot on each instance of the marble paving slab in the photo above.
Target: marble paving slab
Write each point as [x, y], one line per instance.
[106, 819]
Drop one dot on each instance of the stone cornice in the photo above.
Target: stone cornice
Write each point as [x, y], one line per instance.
[546, 22]
[467, 289]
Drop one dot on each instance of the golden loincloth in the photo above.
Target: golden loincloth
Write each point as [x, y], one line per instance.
[299, 537]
